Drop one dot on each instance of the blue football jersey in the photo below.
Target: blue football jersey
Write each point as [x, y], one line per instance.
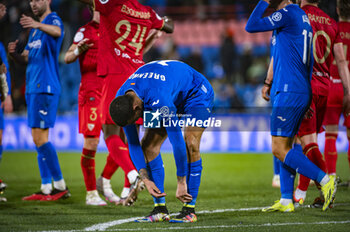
[164, 83]
[292, 46]
[42, 69]
[3, 56]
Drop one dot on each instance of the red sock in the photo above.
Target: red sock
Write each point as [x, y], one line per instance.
[126, 181]
[110, 168]
[313, 153]
[330, 152]
[87, 164]
[120, 153]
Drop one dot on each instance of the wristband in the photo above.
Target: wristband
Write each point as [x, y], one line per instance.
[76, 51]
[268, 84]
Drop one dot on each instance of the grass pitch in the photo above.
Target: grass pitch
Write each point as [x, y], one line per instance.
[232, 186]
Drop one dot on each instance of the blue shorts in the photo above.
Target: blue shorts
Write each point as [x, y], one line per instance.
[1, 119]
[42, 109]
[288, 110]
[199, 104]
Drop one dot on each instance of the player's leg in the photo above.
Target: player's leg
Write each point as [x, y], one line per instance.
[330, 150]
[151, 143]
[276, 173]
[117, 148]
[87, 164]
[41, 117]
[193, 137]
[284, 126]
[308, 136]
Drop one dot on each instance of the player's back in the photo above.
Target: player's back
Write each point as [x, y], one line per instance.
[124, 27]
[291, 53]
[344, 36]
[325, 32]
[167, 80]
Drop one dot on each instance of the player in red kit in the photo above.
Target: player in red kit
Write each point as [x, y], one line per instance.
[124, 33]
[335, 98]
[326, 44]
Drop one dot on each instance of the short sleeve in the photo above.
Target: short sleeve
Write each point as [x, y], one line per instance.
[79, 36]
[157, 21]
[337, 34]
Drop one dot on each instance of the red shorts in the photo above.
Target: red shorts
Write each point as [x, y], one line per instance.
[335, 106]
[314, 124]
[90, 123]
[112, 84]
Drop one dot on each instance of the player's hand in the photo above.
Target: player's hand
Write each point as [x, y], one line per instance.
[12, 47]
[346, 104]
[28, 22]
[181, 192]
[83, 45]
[2, 10]
[152, 189]
[309, 113]
[265, 92]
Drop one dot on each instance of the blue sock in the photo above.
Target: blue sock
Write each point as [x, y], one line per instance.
[193, 181]
[51, 159]
[44, 170]
[276, 166]
[287, 176]
[301, 164]
[157, 175]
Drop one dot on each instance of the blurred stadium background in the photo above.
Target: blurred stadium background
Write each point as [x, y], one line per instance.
[209, 35]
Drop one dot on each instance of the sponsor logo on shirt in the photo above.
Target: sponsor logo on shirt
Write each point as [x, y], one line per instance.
[277, 16]
[36, 44]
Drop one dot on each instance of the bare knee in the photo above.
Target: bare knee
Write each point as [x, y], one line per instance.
[91, 143]
[40, 136]
[150, 150]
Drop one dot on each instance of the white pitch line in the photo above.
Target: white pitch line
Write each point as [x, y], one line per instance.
[104, 226]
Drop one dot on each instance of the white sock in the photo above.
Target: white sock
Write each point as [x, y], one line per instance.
[125, 192]
[132, 175]
[325, 180]
[60, 185]
[298, 194]
[46, 188]
[285, 201]
[106, 181]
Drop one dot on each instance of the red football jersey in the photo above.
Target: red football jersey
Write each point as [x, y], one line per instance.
[124, 27]
[87, 60]
[344, 34]
[325, 32]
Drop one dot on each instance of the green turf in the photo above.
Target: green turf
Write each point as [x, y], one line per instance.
[228, 182]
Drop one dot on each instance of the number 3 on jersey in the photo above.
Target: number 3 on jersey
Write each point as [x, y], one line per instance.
[125, 35]
[307, 46]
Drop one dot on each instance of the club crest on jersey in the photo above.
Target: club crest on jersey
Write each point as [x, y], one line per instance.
[91, 126]
[104, 1]
[277, 16]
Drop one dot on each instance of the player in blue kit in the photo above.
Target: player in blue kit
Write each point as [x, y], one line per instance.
[42, 93]
[173, 95]
[291, 95]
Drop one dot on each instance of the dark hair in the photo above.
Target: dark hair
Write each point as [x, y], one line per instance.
[121, 110]
[344, 8]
